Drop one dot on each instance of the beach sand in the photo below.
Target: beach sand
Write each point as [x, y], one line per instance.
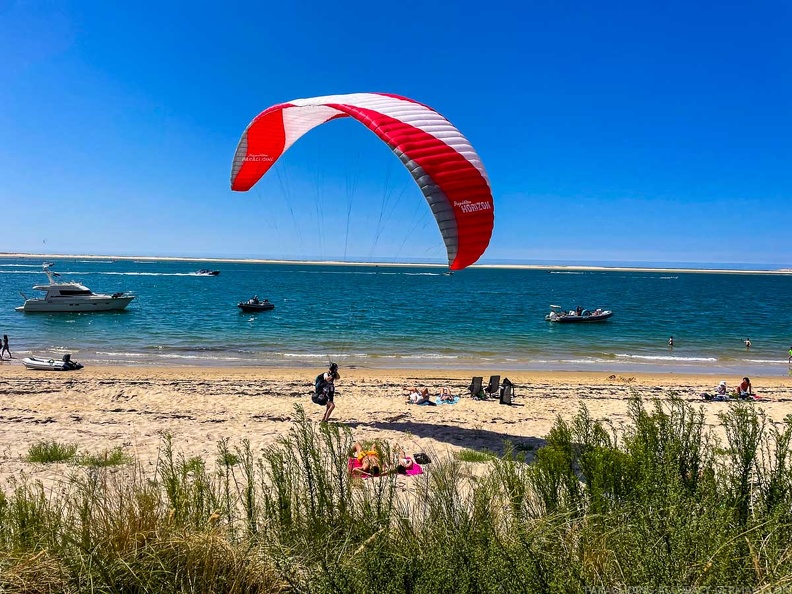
[101, 408]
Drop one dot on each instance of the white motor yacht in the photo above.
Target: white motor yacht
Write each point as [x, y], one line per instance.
[61, 296]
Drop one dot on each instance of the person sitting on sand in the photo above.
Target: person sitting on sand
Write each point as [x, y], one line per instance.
[720, 395]
[418, 396]
[745, 390]
[371, 461]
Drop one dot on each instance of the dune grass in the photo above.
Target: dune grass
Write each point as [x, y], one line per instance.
[114, 457]
[47, 452]
[475, 456]
[660, 504]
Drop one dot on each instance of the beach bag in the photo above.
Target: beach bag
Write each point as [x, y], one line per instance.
[320, 398]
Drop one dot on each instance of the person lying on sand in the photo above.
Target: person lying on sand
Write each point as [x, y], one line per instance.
[446, 395]
[417, 395]
[371, 461]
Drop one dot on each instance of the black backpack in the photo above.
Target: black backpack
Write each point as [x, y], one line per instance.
[322, 390]
[319, 383]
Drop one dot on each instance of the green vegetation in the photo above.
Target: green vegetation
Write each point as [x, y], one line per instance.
[46, 452]
[114, 457]
[475, 456]
[661, 504]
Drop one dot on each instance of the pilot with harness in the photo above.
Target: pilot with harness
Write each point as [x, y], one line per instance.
[324, 390]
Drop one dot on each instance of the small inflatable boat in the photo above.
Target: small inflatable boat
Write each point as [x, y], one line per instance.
[40, 363]
[256, 305]
[557, 314]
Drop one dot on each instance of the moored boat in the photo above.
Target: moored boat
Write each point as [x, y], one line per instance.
[255, 304]
[42, 364]
[577, 316]
[62, 296]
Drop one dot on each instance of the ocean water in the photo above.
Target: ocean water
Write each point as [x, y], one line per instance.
[484, 319]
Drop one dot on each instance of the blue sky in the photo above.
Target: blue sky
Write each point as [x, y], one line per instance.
[624, 132]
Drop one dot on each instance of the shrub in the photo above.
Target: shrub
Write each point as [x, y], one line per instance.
[46, 452]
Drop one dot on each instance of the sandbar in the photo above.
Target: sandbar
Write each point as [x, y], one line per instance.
[546, 267]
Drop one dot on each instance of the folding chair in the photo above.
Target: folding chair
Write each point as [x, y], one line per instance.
[506, 391]
[475, 387]
[493, 386]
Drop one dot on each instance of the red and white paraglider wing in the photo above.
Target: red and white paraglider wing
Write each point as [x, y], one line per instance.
[440, 159]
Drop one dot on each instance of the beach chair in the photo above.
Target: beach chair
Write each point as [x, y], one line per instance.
[493, 386]
[475, 387]
[506, 391]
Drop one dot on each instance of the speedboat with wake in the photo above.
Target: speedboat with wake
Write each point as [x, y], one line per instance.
[577, 316]
[42, 364]
[206, 272]
[255, 304]
[62, 296]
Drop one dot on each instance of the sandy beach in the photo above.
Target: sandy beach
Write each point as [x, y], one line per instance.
[101, 408]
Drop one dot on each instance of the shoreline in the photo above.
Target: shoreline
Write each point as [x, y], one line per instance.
[779, 370]
[643, 378]
[548, 267]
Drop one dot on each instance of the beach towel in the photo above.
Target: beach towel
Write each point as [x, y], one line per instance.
[732, 397]
[411, 471]
[714, 397]
[454, 401]
[757, 397]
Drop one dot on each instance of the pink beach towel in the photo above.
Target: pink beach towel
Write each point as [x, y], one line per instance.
[411, 471]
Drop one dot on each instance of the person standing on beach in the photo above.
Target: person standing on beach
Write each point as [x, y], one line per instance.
[790, 356]
[324, 390]
[5, 348]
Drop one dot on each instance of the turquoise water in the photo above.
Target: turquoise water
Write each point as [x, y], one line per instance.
[413, 317]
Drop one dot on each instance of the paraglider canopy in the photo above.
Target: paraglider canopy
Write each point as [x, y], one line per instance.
[440, 159]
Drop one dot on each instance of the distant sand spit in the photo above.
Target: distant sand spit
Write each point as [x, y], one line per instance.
[395, 264]
[101, 408]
